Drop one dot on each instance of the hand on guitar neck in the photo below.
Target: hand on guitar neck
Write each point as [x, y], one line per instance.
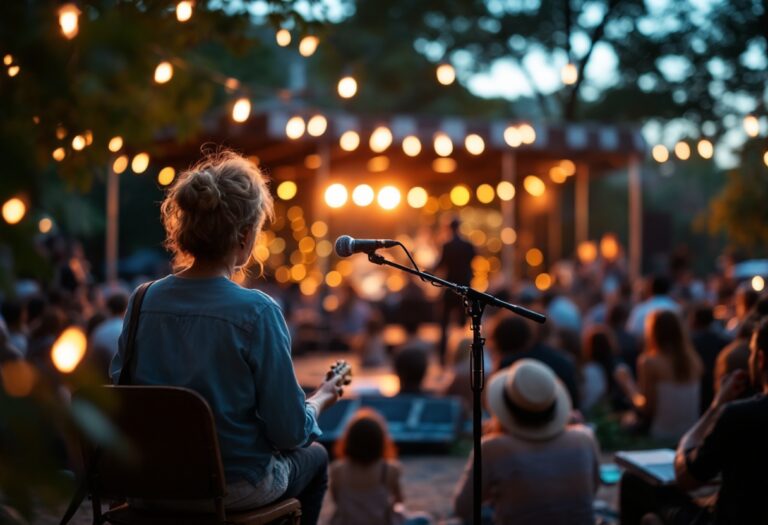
[332, 388]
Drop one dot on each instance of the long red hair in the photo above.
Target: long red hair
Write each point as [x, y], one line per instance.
[665, 335]
[366, 439]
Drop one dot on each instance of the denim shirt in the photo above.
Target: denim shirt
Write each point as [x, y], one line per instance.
[231, 345]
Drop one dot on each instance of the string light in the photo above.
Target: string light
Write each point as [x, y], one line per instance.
[140, 163]
[13, 71]
[682, 150]
[534, 185]
[59, 154]
[317, 125]
[163, 72]
[705, 149]
[512, 137]
[381, 139]
[417, 197]
[505, 190]
[389, 197]
[474, 144]
[485, 193]
[115, 144]
[660, 153]
[283, 37]
[295, 127]
[349, 141]
[166, 176]
[527, 133]
[241, 110]
[460, 195]
[362, 195]
[443, 144]
[569, 74]
[69, 20]
[347, 87]
[411, 146]
[14, 210]
[8, 60]
[308, 45]
[78, 143]
[120, 164]
[752, 125]
[184, 10]
[446, 74]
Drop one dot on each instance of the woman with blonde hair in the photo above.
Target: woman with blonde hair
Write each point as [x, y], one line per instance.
[668, 377]
[199, 329]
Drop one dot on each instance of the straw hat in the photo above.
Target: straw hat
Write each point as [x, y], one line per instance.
[529, 401]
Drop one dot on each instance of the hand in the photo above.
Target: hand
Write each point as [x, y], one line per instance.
[732, 386]
[329, 392]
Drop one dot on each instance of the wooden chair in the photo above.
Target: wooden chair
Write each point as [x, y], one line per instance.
[171, 453]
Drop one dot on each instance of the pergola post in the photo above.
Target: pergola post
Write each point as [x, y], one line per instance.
[582, 204]
[635, 218]
[508, 174]
[555, 227]
[113, 224]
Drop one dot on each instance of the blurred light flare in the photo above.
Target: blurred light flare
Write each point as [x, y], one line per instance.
[294, 128]
[59, 154]
[184, 10]
[534, 185]
[751, 126]
[308, 45]
[474, 144]
[69, 20]
[460, 195]
[378, 164]
[347, 87]
[444, 165]
[587, 252]
[512, 137]
[388, 197]
[543, 281]
[166, 176]
[317, 125]
[569, 74]
[660, 153]
[682, 150]
[443, 144]
[381, 139]
[411, 146]
[120, 164]
[527, 134]
[283, 37]
[69, 350]
[349, 141]
[336, 195]
[446, 74]
[505, 190]
[534, 257]
[241, 110]
[417, 197]
[13, 71]
[140, 163]
[758, 283]
[363, 195]
[45, 225]
[705, 148]
[14, 210]
[78, 143]
[485, 193]
[163, 72]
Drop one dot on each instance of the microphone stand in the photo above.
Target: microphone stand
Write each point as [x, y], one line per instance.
[475, 302]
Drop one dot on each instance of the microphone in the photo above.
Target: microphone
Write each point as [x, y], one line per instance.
[346, 245]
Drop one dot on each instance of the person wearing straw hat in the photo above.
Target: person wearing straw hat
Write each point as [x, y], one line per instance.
[536, 467]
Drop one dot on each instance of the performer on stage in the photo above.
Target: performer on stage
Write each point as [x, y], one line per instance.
[198, 329]
[455, 265]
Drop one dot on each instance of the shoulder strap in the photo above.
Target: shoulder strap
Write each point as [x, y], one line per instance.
[133, 326]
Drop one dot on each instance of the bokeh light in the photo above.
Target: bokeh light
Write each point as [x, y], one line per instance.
[286, 190]
[184, 10]
[347, 87]
[78, 143]
[705, 149]
[460, 195]
[752, 125]
[363, 195]
[59, 154]
[543, 281]
[163, 72]
[381, 139]
[319, 229]
[569, 74]
[349, 140]
[313, 161]
[120, 164]
[534, 257]
[443, 144]
[587, 252]
[388, 198]
[115, 144]
[317, 125]
[333, 278]
[512, 137]
[474, 144]
[140, 163]
[324, 248]
[308, 45]
[557, 174]
[508, 235]
[609, 247]
[69, 349]
[568, 167]
[505, 190]
[241, 110]
[283, 37]
[485, 193]
[446, 74]
[378, 164]
[166, 176]
[527, 133]
[295, 127]
[336, 195]
[660, 153]
[682, 150]
[444, 165]
[534, 185]
[411, 146]
[45, 225]
[18, 378]
[417, 197]
[69, 20]
[758, 283]
[14, 210]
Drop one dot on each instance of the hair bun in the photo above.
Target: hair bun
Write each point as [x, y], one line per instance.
[201, 193]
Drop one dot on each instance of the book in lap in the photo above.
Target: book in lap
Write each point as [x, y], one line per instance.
[656, 466]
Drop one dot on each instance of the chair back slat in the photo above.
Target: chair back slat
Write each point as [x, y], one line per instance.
[172, 444]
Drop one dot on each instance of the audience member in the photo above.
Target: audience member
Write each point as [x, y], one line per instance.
[659, 287]
[411, 369]
[365, 477]
[735, 355]
[537, 469]
[370, 345]
[512, 339]
[708, 343]
[103, 341]
[744, 300]
[601, 371]
[616, 318]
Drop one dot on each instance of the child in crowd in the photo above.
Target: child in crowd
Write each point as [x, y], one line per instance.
[365, 477]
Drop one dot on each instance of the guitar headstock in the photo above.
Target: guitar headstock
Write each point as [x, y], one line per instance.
[342, 370]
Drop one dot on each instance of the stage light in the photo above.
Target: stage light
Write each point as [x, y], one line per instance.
[120, 164]
[389, 197]
[660, 153]
[308, 45]
[460, 195]
[295, 127]
[140, 163]
[59, 154]
[534, 257]
[474, 144]
[505, 190]
[512, 137]
[166, 176]
[362, 195]
[534, 185]
[14, 210]
[682, 150]
[163, 72]
[69, 20]
[45, 225]
[69, 349]
[752, 125]
[381, 139]
[417, 197]
[411, 146]
[184, 10]
[349, 141]
[283, 37]
[569, 74]
[336, 195]
[241, 110]
[705, 149]
[347, 87]
[78, 143]
[446, 74]
[443, 144]
[485, 193]
[317, 125]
